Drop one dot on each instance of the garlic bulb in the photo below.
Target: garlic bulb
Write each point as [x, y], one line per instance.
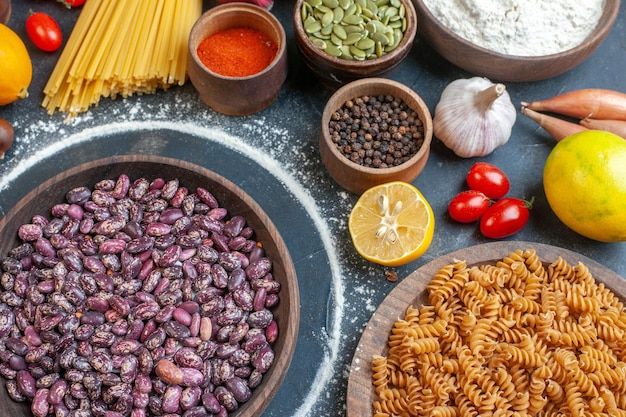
[474, 116]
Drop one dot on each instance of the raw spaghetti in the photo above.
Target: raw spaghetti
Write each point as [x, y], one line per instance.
[121, 48]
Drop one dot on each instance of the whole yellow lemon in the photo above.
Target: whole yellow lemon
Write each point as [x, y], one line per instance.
[16, 69]
[584, 179]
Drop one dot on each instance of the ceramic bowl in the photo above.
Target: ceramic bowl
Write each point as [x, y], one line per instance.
[501, 67]
[236, 201]
[238, 96]
[357, 178]
[334, 72]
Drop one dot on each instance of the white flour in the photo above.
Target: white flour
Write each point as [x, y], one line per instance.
[520, 27]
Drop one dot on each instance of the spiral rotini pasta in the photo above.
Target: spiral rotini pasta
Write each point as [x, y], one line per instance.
[514, 338]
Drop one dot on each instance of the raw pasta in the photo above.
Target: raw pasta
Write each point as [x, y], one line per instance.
[513, 339]
[121, 48]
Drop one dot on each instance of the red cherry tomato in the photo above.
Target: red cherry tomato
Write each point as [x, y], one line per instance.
[505, 217]
[488, 179]
[468, 206]
[44, 32]
[73, 3]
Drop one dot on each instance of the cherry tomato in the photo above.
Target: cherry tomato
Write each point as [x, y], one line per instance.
[44, 32]
[505, 217]
[468, 206]
[488, 179]
[72, 3]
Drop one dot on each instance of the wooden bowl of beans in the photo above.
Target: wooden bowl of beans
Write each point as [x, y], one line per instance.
[374, 131]
[524, 51]
[143, 283]
[345, 40]
[237, 58]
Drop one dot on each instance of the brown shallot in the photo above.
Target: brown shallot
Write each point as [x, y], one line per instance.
[557, 128]
[594, 103]
[617, 127]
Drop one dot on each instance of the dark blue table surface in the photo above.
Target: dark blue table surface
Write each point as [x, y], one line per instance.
[273, 156]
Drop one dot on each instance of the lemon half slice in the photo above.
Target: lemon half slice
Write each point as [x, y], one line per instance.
[391, 224]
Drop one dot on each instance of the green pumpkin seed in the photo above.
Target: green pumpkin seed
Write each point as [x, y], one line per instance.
[331, 4]
[395, 3]
[340, 32]
[344, 4]
[372, 7]
[335, 40]
[338, 14]
[353, 29]
[382, 2]
[333, 50]
[379, 37]
[361, 3]
[320, 43]
[402, 11]
[396, 24]
[305, 11]
[352, 38]
[379, 49]
[391, 12]
[368, 13]
[314, 3]
[356, 52]
[327, 30]
[353, 19]
[365, 43]
[312, 27]
[351, 9]
[328, 17]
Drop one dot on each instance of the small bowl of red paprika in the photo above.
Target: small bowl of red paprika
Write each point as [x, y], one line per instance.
[237, 58]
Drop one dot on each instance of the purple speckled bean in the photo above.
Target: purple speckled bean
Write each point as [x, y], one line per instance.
[78, 195]
[191, 377]
[156, 229]
[226, 398]
[30, 232]
[263, 359]
[190, 397]
[210, 402]
[207, 197]
[26, 384]
[40, 405]
[170, 256]
[239, 389]
[179, 195]
[57, 391]
[157, 184]
[122, 185]
[169, 188]
[112, 246]
[138, 188]
[182, 316]
[234, 226]
[171, 398]
[258, 268]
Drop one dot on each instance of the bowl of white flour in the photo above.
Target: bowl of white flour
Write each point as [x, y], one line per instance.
[516, 40]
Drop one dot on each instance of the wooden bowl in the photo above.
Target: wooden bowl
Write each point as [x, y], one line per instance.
[357, 178]
[287, 312]
[238, 96]
[502, 67]
[334, 72]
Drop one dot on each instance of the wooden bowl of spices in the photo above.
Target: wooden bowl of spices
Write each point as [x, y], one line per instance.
[529, 43]
[237, 58]
[374, 131]
[345, 40]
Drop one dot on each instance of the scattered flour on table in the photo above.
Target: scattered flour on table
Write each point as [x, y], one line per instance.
[520, 27]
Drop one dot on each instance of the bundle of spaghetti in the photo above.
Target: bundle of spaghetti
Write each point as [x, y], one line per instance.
[121, 48]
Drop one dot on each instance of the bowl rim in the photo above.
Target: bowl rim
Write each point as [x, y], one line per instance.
[378, 82]
[263, 394]
[599, 33]
[401, 49]
[241, 7]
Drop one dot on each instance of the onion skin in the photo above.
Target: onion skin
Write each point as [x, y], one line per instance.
[557, 128]
[617, 127]
[596, 103]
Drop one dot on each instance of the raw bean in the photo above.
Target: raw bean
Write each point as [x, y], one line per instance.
[258, 268]
[190, 397]
[26, 383]
[271, 332]
[260, 319]
[239, 389]
[226, 398]
[40, 405]
[182, 316]
[168, 372]
[263, 359]
[14, 392]
[171, 398]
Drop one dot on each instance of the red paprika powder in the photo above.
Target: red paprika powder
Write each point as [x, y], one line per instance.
[237, 52]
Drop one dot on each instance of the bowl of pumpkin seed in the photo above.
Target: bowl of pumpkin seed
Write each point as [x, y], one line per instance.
[345, 40]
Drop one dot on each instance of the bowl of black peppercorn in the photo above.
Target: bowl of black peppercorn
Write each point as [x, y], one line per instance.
[374, 131]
